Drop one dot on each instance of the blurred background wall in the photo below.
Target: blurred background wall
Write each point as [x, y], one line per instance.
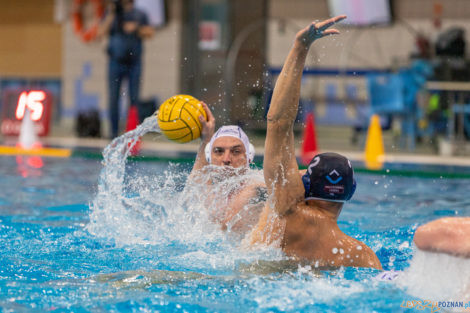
[30, 40]
[37, 41]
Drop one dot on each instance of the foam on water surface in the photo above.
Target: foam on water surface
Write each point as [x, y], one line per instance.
[437, 277]
[164, 210]
[177, 220]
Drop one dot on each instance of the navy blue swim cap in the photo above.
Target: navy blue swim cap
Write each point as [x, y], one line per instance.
[330, 177]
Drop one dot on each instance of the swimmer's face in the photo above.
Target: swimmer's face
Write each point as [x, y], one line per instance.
[228, 151]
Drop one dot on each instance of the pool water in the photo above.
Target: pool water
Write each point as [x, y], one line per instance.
[80, 236]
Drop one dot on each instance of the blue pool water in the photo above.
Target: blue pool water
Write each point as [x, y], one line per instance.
[77, 238]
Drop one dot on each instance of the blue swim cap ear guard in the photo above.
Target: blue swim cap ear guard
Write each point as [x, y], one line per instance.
[330, 177]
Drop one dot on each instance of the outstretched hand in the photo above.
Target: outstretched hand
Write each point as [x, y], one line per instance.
[208, 126]
[317, 30]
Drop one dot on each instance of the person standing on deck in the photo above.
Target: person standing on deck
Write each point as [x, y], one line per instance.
[126, 27]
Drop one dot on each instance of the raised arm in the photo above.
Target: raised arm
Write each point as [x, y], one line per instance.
[208, 128]
[280, 165]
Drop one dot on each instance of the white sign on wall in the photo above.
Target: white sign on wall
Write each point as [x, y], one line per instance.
[155, 10]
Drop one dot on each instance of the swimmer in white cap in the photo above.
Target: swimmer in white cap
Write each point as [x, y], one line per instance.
[229, 146]
[230, 150]
[301, 212]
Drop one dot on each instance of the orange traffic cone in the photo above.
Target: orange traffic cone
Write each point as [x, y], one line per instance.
[374, 152]
[132, 122]
[309, 144]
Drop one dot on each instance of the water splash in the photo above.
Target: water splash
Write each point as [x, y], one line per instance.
[437, 277]
[163, 208]
[185, 220]
[111, 205]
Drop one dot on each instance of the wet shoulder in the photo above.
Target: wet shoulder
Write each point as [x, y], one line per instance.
[305, 213]
[364, 256]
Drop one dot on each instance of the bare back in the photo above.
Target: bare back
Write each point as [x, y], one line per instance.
[311, 236]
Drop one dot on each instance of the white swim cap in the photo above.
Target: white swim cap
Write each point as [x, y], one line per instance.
[232, 131]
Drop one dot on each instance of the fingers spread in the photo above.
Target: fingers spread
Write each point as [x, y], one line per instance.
[329, 22]
[330, 32]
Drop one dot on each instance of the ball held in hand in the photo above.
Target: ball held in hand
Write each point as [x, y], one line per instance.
[178, 118]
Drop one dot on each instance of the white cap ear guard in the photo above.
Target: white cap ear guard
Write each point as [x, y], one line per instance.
[231, 131]
[251, 153]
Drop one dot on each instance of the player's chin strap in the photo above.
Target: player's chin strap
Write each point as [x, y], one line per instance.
[250, 154]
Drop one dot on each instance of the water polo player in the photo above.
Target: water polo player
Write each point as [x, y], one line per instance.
[450, 235]
[301, 214]
[221, 156]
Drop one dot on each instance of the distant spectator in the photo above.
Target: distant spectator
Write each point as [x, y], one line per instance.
[126, 27]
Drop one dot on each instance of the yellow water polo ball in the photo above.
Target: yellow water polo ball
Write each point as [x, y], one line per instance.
[178, 118]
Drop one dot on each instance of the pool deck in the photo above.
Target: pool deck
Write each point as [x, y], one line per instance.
[329, 138]
[150, 147]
